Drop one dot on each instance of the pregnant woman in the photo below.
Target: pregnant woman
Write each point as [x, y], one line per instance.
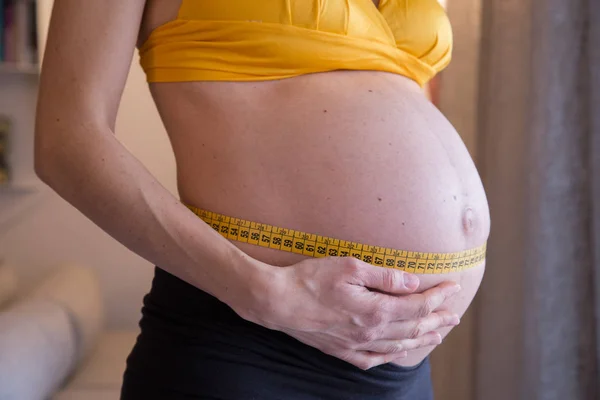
[350, 220]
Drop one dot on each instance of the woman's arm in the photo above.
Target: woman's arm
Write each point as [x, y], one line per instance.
[344, 307]
[86, 63]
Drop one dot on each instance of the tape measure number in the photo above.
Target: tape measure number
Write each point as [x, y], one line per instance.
[312, 245]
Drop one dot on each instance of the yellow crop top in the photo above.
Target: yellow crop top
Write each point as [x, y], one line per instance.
[251, 40]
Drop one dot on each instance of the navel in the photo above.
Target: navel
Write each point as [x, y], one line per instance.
[468, 220]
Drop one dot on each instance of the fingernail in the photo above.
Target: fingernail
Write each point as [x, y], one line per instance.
[455, 320]
[411, 281]
[437, 339]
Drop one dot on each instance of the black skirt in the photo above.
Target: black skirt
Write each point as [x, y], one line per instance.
[192, 346]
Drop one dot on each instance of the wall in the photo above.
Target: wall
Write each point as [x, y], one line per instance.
[38, 230]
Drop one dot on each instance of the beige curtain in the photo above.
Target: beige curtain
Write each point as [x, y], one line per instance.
[538, 310]
[534, 331]
[594, 68]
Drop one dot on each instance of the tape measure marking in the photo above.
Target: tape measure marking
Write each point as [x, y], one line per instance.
[312, 245]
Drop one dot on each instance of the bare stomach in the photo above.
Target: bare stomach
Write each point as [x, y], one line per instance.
[359, 156]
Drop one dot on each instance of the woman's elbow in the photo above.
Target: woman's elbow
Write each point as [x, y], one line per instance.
[45, 156]
[41, 167]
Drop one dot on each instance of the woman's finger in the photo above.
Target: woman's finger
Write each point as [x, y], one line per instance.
[417, 305]
[390, 347]
[366, 360]
[414, 328]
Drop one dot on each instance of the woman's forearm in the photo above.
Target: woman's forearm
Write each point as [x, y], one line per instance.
[98, 176]
[85, 66]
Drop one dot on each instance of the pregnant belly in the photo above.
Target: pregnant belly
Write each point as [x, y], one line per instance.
[357, 156]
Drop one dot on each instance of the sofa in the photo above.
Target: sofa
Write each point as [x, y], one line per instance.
[99, 377]
[53, 340]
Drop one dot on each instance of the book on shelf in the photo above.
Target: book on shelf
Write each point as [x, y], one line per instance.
[4, 137]
[18, 31]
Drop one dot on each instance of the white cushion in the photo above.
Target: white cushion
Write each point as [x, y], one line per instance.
[77, 289]
[102, 373]
[37, 349]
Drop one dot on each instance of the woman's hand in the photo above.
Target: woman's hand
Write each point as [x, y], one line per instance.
[352, 310]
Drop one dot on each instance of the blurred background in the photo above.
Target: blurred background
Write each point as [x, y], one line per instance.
[523, 90]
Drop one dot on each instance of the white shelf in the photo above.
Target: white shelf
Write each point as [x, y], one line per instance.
[7, 68]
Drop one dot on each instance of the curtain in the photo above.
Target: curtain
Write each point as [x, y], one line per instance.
[594, 72]
[538, 313]
[594, 110]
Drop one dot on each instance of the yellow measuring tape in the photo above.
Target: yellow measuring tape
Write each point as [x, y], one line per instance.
[312, 245]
